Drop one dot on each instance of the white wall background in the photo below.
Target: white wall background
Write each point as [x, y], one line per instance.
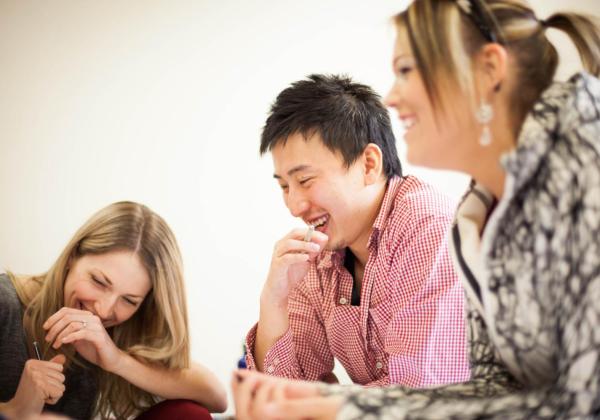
[162, 102]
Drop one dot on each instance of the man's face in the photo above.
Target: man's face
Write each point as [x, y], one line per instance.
[320, 189]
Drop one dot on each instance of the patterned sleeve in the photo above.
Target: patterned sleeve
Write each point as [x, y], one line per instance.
[303, 351]
[426, 338]
[493, 393]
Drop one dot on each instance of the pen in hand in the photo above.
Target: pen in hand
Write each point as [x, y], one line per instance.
[36, 348]
[309, 233]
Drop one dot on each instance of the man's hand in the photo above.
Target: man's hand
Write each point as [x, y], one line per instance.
[289, 264]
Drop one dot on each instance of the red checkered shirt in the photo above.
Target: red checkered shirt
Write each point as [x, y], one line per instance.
[410, 326]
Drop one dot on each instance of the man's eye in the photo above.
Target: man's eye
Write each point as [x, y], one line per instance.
[284, 187]
[305, 180]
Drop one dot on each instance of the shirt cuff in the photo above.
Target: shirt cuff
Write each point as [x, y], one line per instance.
[280, 360]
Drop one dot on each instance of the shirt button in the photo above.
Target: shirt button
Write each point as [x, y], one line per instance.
[378, 365]
[276, 362]
[343, 301]
[270, 369]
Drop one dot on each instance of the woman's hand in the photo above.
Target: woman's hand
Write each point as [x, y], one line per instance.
[258, 396]
[42, 382]
[86, 333]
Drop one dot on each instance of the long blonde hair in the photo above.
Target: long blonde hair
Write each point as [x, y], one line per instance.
[158, 331]
[444, 37]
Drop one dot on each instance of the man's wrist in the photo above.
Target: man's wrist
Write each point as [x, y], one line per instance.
[272, 303]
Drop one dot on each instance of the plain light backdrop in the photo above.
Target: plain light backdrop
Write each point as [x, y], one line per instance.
[162, 102]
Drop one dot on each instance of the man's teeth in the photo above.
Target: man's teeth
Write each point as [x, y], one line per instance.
[408, 122]
[319, 222]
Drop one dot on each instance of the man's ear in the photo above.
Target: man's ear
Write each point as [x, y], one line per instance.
[372, 163]
[491, 66]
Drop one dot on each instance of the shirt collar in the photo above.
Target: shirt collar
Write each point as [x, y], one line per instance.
[387, 205]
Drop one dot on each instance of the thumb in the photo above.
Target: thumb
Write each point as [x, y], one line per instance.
[320, 238]
[301, 389]
[59, 358]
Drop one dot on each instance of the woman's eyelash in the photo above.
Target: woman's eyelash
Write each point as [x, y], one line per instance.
[97, 281]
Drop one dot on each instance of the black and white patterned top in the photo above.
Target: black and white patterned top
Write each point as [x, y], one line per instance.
[533, 279]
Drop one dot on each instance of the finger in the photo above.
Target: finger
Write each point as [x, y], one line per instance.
[244, 394]
[301, 389]
[90, 326]
[317, 408]
[44, 389]
[262, 396]
[54, 388]
[69, 329]
[57, 362]
[289, 259]
[238, 398]
[55, 317]
[296, 246]
[243, 398]
[320, 238]
[62, 312]
[54, 364]
[279, 393]
[58, 325]
[300, 233]
[297, 233]
[236, 379]
[55, 396]
[56, 376]
[75, 321]
[83, 334]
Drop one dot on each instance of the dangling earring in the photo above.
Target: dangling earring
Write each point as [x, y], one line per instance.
[484, 115]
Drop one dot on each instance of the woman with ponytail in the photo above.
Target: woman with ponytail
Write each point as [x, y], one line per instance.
[476, 93]
[109, 323]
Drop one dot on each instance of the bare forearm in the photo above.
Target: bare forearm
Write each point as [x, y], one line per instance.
[272, 324]
[11, 410]
[196, 383]
[6, 409]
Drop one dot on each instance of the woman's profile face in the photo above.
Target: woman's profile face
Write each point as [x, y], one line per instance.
[433, 139]
[112, 285]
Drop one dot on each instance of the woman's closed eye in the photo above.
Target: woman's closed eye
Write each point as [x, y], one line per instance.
[130, 302]
[98, 282]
